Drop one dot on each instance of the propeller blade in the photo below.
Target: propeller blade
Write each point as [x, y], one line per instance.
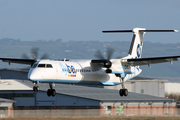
[99, 55]
[25, 56]
[34, 52]
[110, 51]
[45, 56]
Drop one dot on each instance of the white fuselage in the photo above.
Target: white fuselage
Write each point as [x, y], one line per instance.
[79, 72]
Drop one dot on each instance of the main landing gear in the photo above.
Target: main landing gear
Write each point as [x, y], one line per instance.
[35, 88]
[51, 91]
[123, 91]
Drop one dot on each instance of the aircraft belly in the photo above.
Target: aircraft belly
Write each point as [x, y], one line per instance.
[95, 77]
[100, 78]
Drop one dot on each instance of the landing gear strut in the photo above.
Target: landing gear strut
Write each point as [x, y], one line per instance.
[35, 88]
[51, 91]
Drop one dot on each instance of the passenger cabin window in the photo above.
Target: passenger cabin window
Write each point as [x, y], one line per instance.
[49, 66]
[41, 66]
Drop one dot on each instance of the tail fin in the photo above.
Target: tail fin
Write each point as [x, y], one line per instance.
[135, 50]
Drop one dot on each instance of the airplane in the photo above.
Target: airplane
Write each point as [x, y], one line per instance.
[101, 71]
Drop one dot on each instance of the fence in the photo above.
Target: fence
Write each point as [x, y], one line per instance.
[51, 113]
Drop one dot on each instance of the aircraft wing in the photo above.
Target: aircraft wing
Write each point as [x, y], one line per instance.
[20, 61]
[148, 61]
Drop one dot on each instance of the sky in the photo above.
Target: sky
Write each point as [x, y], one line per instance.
[84, 20]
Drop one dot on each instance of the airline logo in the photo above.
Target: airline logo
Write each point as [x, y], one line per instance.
[139, 50]
[68, 70]
[71, 75]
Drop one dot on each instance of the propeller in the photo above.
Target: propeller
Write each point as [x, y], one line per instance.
[34, 53]
[106, 62]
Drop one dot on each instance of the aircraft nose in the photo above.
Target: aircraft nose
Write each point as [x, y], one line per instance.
[35, 74]
[31, 75]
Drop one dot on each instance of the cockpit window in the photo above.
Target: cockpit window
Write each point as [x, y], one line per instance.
[34, 65]
[49, 66]
[41, 65]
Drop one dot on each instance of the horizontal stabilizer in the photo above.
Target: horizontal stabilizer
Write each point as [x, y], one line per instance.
[113, 31]
[117, 31]
[158, 30]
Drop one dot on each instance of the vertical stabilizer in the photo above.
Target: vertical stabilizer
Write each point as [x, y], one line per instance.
[135, 50]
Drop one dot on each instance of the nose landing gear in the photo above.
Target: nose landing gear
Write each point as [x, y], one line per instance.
[35, 88]
[51, 91]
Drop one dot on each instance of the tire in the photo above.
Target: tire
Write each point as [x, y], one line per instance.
[125, 92]
[34, 88]
[53, 92]
[49, 92]
[121, 92]
[37, 88]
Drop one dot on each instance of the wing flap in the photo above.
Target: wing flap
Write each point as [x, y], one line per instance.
[148, 61]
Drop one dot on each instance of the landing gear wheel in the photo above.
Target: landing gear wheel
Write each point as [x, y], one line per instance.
[121, 92]
[125, 92]
[53, 92]
[49, 92]
[36, 88]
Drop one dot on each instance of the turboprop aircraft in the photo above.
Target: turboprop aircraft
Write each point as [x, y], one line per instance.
[101, 71]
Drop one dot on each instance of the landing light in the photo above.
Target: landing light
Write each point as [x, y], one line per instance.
[124, 60]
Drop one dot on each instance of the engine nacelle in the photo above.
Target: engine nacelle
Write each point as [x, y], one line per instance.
[108, 71]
